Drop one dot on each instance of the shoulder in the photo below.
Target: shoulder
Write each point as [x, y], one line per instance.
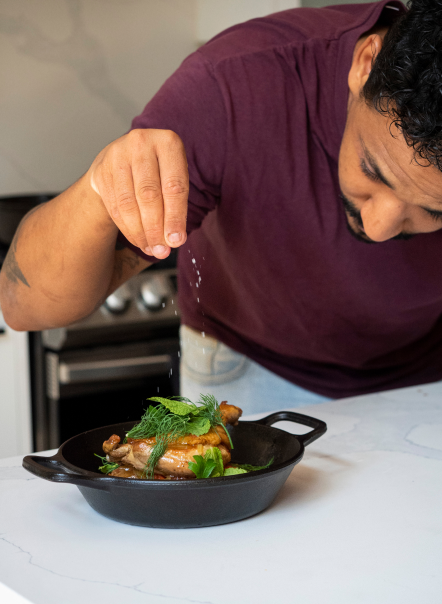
[291, 28]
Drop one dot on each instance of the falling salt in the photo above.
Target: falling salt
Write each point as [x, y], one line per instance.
[179, 353]
[193, 260]
[196, 284]
[198, 299]
[203, 334]
[176, 312]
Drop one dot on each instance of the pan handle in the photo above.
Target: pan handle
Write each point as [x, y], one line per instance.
[319, 427]
[53, 469]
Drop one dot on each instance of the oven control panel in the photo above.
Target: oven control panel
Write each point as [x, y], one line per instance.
[147, 300]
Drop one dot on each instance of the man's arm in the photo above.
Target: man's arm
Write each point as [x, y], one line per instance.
[62, 263]
[127, 264]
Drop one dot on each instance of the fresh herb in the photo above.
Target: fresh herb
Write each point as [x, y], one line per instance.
[214, 454]
[107, 466]
[209, 466]
[172, 419]
[202, 467]
[176, 404]
[234, 471]
[249, 468]
[212, 466]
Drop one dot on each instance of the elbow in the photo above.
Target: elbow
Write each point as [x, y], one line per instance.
[12, 311]
[13, 319]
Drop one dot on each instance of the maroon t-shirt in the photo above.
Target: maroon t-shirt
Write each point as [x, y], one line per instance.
[270, 268]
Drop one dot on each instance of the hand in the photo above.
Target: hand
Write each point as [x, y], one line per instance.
[143, 181]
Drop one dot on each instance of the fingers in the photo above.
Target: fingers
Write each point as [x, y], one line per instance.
[149, 199]
[174, 175]
[143, 181]
[102, 182]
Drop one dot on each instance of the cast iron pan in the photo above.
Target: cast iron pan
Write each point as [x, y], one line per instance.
[190, 503]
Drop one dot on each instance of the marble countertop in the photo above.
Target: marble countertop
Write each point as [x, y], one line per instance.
[359, 521]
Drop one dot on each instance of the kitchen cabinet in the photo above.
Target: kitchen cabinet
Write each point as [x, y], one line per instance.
[15, 396]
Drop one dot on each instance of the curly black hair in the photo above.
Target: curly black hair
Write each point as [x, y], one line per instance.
[405, 82]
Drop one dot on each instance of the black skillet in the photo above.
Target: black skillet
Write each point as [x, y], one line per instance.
[187, 503]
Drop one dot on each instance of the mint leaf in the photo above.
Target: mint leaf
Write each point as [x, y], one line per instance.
[233, 471]
[201, 467]
[198, 426]
[174, 406]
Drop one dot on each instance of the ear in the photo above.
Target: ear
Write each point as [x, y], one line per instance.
[366, 50]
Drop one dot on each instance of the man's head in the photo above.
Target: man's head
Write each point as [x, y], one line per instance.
[390, 162]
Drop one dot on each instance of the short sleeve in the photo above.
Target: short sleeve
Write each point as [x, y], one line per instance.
[190, 103]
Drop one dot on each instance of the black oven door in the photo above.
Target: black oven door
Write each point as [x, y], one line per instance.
[91, 387]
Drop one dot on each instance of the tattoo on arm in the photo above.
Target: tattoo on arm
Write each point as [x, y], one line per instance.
[125, 260]
[10, 267]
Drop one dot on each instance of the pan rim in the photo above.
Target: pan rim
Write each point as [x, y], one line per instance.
[178, 484]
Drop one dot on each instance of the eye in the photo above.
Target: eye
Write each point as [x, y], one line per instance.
[437, 216]
[368, 173]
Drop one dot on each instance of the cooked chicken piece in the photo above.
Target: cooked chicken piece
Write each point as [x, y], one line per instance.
[175, 461]
[230, 413]
[109, 445]
[213, 437]
[133, 455]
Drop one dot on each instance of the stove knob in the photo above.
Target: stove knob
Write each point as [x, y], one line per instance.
[154, 292]
[119, 301]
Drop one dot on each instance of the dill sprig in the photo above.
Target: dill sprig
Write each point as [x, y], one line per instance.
[174, 418]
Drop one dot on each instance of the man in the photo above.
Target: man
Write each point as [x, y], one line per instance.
[309, 134]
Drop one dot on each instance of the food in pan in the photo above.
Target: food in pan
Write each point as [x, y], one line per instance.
[177, 440]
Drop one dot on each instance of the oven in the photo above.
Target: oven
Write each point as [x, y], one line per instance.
[102, 369]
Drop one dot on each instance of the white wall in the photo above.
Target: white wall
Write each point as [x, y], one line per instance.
[216, 15]
[73, 74]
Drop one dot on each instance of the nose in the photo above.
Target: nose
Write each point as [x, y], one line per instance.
[383, 217]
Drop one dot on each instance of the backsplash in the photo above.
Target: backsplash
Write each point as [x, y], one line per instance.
[74, 73]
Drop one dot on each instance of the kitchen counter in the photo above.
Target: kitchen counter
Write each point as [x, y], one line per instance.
[359, 521]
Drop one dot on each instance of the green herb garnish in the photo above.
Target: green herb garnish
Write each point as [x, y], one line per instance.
[249, 468]
[201, 467]
[107, 466]
[212, 466]
[234, 471]
[172, 419]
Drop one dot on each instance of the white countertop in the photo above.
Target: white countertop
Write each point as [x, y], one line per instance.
[359, 521]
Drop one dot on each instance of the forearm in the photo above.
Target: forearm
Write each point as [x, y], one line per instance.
[61, 262]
